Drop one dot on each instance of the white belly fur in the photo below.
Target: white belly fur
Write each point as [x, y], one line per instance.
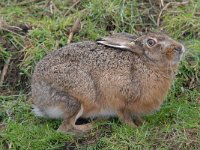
[102, 113]
[50, 112]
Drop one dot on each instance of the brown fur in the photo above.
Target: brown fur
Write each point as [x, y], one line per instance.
[87, 79]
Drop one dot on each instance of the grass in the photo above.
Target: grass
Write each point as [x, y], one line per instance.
[175, 126]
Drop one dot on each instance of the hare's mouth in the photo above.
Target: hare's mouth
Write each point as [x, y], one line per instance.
[175, 52]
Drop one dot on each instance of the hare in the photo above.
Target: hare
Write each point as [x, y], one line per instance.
[120, 75]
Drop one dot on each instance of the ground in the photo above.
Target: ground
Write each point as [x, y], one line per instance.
[29, 29]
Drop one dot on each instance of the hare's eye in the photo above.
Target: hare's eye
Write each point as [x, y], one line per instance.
[151, 42]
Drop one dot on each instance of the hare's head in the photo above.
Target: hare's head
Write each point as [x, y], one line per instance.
[159, 47]
[155, 47]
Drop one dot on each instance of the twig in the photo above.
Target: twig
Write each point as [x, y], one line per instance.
[51, 6]
[15, 27]
[5, 29]
[78, 1]
[8, 28]
[27, 2]
[75, 28]
[162, 3]
[47, 3]
[4, 71]
[166, 6]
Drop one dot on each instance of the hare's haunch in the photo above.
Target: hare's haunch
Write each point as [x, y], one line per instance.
[120, 75]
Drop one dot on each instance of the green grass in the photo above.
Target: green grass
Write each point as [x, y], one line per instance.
[175, 126]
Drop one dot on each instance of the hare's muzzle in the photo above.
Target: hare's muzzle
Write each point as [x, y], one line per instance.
[174, 52]
[179, 49]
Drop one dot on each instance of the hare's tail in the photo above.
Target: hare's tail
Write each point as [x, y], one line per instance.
[37, 111]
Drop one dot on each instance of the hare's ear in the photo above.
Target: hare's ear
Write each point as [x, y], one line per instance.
[123, 44]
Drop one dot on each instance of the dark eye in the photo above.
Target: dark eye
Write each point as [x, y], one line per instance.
[151, 42]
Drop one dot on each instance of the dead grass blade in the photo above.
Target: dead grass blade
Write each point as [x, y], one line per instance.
[74, 4]
[75, 28]
[4, 71]
[23, 3]
[167, 6]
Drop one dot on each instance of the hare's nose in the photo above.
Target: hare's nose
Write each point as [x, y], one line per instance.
[179, 49]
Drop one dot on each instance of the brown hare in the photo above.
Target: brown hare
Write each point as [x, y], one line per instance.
[120, 75]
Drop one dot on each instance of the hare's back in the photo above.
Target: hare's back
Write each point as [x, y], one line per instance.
[78, 67]
[88, 55]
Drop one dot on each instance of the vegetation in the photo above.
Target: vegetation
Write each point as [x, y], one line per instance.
[29, 29]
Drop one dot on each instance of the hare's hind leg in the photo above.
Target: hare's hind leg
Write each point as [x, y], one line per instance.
[50, 102]
[70, 124]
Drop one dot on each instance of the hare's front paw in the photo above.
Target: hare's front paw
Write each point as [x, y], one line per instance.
[126, 118]
[138, 121]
